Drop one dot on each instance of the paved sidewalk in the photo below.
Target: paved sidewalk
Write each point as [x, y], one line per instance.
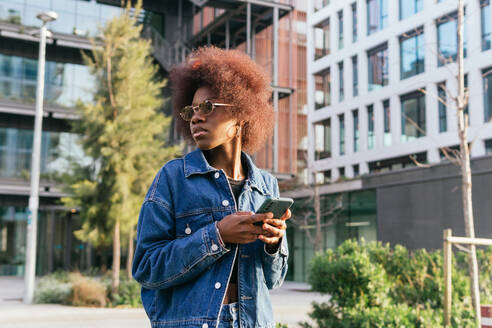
[291, 303]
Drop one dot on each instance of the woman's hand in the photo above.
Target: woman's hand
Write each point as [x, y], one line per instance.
[238, 228]
[275, 229]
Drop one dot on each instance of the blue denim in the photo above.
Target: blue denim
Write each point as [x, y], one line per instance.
[229, 316]
[180, 261]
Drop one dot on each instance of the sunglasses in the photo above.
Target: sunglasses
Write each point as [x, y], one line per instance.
[206, 108]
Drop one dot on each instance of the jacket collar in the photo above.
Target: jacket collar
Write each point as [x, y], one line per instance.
[196, 163]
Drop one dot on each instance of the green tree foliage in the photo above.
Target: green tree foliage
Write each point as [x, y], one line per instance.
[123, 131]
[373, 285]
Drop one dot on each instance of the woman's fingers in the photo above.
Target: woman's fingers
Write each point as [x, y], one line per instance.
[268, 240]
[273, 231]
[286, 215]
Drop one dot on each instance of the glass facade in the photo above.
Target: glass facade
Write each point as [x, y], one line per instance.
[57, 248]
[412, 53]
[322, 95]
[341, 82]
[322, 39]
[357, 218]
[64, 83]
[322, 135]
[340, 29]
[387, 122]
[487, 93]
[441, 92]
[355, 118]
[74, 16]
[341, 120]
[447, 38]
[378, 67]
[377, 15]
[486, 23]
[56, 150]
[370, 127]
[413, 116]
[410, 7]
[354, 22]
[355, 76]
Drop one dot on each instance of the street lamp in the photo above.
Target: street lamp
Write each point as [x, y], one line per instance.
[32, 220]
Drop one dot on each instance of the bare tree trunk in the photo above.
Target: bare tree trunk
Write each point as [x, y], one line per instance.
[129, 260]
[115, 281]
[466, 186]
[317, 240]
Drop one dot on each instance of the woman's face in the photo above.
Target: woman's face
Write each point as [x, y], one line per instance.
[217, 128]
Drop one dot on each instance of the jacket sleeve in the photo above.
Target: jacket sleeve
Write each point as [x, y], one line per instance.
[275, 265]
[161, 260]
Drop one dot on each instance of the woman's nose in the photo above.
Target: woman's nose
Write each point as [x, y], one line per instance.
[197, 117]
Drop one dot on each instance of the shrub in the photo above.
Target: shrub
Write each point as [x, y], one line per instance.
[128, 294]
[87, 291]
[49, 289]
[372, 285]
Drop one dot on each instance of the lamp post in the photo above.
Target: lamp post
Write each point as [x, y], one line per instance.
[32, 220]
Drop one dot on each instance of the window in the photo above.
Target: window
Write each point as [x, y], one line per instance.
[412, 116]
[322, 93]
[340, 29]
[467, 108]
[378, 67]
[355, 76]
[441, 92]
[341, 82]
[341, 172]
[355, 168]
[396, 163]
[355, 117]
[412, 53]
[370, 127]
[487, 93]
[323, 177]
[354, 22]
[387, 122]
[410, 7]
[377, 15]
[322, 142]
[485, 17]
[447, 39]
[341, 129]
[318, 4]
[322, 39]
[488, 146]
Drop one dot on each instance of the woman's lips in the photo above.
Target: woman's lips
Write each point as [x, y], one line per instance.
[200, 133]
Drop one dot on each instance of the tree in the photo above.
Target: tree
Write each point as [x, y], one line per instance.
[461, 156]
[123, 131]
[308, 216]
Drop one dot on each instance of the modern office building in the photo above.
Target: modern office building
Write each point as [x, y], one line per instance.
[264, 29]
[376, 71]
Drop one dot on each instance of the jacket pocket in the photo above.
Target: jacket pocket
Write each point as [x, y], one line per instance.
[189, 224]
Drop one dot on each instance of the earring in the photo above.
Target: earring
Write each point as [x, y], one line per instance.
[238, 133]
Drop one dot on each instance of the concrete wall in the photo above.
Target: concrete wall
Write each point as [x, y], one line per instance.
[414, 206]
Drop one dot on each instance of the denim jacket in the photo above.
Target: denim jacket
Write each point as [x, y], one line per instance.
[180, 261]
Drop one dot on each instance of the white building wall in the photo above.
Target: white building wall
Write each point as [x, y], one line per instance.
[474, 63]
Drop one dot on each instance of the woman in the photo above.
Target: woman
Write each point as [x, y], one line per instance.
[199, 257]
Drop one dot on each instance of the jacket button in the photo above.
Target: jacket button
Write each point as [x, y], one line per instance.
[215, 247]
[205, 325]
[217, 175]
[217, 285]
[225, 202]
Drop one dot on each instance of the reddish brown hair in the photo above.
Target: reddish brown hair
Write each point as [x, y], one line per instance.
[235, 79]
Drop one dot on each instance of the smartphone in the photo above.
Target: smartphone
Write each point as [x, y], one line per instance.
[277, 206]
